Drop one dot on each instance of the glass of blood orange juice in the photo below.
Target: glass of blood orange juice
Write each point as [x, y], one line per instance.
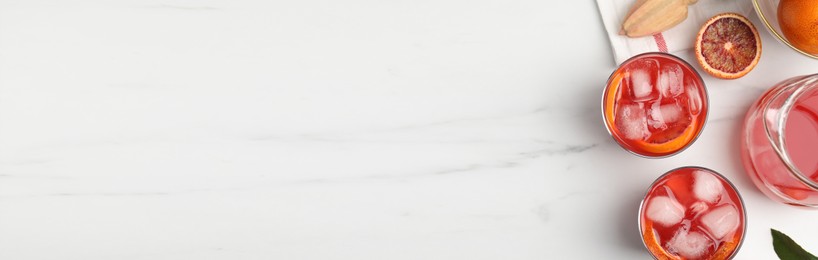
[692, 213]
[655, 105]
[780, 141]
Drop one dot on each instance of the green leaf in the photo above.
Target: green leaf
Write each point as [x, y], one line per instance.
[787, 249]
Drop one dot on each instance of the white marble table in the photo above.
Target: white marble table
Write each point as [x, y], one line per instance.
[249, 129]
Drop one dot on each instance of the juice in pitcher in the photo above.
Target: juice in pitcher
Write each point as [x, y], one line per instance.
[780, 142]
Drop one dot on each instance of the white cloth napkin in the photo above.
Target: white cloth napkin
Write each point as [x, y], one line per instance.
[679, 38]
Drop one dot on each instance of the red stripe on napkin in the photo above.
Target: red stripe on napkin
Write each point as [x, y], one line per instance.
[660, 42]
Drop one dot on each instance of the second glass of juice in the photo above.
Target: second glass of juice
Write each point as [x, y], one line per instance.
[692, 213]
[655, 105]
[780, 141]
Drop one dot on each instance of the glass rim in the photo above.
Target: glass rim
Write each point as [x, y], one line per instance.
[705, 104]
[720, 176]
[803, 84]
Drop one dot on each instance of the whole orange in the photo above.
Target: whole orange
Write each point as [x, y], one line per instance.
[799, 23]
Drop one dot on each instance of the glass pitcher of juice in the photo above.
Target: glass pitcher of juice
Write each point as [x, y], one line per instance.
[655, 105]
[780, 142]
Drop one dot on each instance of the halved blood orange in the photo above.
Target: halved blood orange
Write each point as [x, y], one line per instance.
[728, 46]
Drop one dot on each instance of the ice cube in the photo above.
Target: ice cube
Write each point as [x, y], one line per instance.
[721, 221]
[671, 80]
[671, 112]
[642, 74]
[694, 99]
[699, 207]
[706, 186]
[665, 210]
[661, 115]
[655, 118]
[631, 121]
[641, 85]
[689, 244]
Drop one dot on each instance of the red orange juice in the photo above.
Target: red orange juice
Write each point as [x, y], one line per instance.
[692, 213]
[780, 141]
[655, 104]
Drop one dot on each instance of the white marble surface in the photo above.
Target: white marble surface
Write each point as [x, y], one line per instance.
[249, 129]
